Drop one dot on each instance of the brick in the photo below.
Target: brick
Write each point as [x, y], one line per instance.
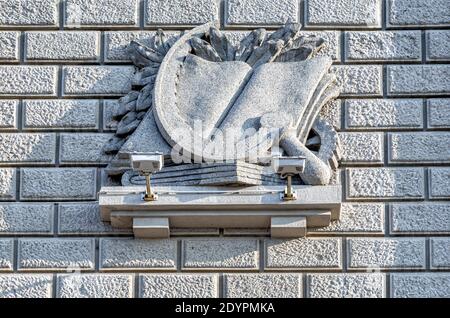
[362, 147]
[109, 109]
[26, 219]
[7, 184]
[343, 13]
[129, 254]
[418, 79]
[83, 148]
[386, 253]
[56, 254]
[94, 286]
[28, 80]
[26, 286]
[385, 183]
[420, 285]
[438, 113]
[178, 286]
[42, 13]
[9, 114]
[438, 45]
[222, 254]
[357, 80]
[420, 218]
[439, 182]
[9, 46]
[6, 255]
[58, 183]
[332, 112]
[60, 114]
[261, 12]
[110, 13]
[384, 114]
[412, 13]
[440, 256]
[179, 12]
[263, 286]
[57, 46]
[304, 253]
[27, 148]
[346, 285]
[383, 46]
[97, 80]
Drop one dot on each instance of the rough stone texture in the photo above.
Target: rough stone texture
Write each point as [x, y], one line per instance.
[43, 13]
[418, 79]
[179, 12]
[128, 254]
[420, 218]
[439, 113]
[8, 114]
[439, 179]
[358, 80]
[60, 114]
[401, 183]
[362, 147]
[303, 253]
[56, 254]
[384, 113]
[438, 45]
[28, 80]
[27, 148]
[9, 46]
[346, 285]
[6, 255]
[101, 13]
[178, 286]
[332, 46]
[95, 286]
[7, 184]
[356, 218]
[83, 148]
[419, 147]
[383, 46]
[58, 46]
[26, 286]
[58, 183]
[26, 219]
[262, 286]
[410, 13]
[440, 256]
[332, 113]
[420, 285]
[220, 253]
[109, 109]
[97, 80]
[392, 253]
[343, 13]
[262, 12]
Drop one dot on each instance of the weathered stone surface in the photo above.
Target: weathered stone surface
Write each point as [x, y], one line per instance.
[54, 46]
[179, 12]
[25, 219]
[9, 114]
[60, 114]
[346, 285]
[178, 286]
[109, 109]
[362, 147]
[438, 45]
[97, 80]
[58, 183]
[420, 218]
[129, 254]
[26, 148]
[420, 285]
[410, 13]
[262, 286]
[94, 286]
[303, 253]
[7, 184]
[56, 254]
[6, 255]
[439, 113]
[9, 46]
[440, 256]
[262, 12]
[358, 80]
[384, 113]
[439, 179]
[220, 254]
[43, 13]
[332, 113]
[418, 79]
[394, 253]
[383, 46]
[83, 148]
[101, 13]
[344, 13]
[26, 286]
[401, 183]
[28, 80]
